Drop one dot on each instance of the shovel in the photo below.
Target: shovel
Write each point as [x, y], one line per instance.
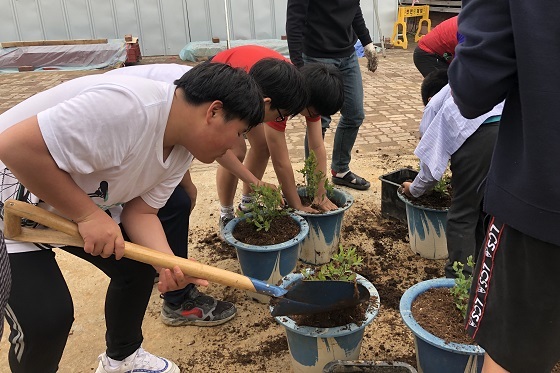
[305, 297]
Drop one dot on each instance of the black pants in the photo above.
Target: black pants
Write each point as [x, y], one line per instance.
[465, 219]
[174, 217]
[427, 62]
[5, 280]
[514, 308]
[40, 309]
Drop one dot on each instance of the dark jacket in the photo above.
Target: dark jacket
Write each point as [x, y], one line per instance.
[324, 28]
[511, 51]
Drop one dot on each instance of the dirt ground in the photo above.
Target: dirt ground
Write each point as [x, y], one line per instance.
[252, 341]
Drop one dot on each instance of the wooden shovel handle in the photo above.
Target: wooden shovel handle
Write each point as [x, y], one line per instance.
[66, 232]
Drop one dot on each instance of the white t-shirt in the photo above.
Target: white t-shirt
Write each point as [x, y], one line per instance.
[163, 72]
[106, 129]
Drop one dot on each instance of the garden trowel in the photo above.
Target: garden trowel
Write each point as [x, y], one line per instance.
[305, 297]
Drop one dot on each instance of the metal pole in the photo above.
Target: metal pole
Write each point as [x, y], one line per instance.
[227, 24]
[376, 13]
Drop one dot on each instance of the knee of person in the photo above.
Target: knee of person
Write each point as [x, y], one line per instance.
[355, 119]
[44, 327]
[240, 153]
[261, 148]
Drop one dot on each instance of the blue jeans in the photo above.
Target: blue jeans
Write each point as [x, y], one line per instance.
[352, 111]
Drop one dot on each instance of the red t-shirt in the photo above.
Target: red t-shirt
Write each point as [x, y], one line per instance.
[245, 57]
[442, 39]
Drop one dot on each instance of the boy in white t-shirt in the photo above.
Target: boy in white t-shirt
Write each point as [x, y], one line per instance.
[87, 147]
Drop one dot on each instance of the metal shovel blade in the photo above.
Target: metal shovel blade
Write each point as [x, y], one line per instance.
[309, 297]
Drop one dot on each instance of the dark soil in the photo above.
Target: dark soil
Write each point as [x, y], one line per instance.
[217, 248]
[434, 311]
[432, 199]
[356, 315]
[282, 229]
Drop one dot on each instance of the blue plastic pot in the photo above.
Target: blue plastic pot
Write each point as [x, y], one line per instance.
[267, 263]
[324, 229]
[433, 354]
[312, 348]
[426, 230]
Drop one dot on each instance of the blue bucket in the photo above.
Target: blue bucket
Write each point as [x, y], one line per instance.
[324, 229]
[312, 348]
[426, 230]
[267, 263]
[433, 354]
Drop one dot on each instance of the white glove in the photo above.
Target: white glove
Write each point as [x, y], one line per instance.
[371, 55]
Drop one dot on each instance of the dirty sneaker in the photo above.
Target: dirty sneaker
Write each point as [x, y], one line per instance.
[199, 309]
[140, 361]
[222, 222]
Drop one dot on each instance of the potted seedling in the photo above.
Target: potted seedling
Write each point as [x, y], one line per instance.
[324, 228]
[434, 350]
[315, 340]
[427, 220]
[267, 239]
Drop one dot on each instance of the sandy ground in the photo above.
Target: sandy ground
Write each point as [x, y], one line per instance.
[253, 342]
[243, 344]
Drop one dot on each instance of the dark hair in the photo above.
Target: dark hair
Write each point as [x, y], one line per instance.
[282, 83]
[239, 93]
[325, 87]
[433, 83]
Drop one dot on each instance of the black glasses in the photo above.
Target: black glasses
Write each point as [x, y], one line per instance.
[280, 117]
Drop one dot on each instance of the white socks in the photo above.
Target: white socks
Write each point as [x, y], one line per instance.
[227, 212]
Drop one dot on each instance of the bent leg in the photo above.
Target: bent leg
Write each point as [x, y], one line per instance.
[174, 217]
[127, 298]
[5, 280]
[39, 312]
[469, 166]
[427, 62]
[352, 115]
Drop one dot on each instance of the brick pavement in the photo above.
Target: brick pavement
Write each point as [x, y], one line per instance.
[391, 99]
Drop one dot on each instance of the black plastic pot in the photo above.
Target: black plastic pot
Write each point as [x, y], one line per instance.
[391, 205]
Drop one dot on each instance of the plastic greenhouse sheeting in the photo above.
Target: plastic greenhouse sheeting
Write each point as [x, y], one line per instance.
[202, 50]
[64, 57]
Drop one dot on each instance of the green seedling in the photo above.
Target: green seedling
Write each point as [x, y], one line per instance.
[265, 207]
[461, 289]
[313, 178]
[342, 267]
[442, 187]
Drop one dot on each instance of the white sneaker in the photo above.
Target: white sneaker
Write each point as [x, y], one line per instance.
[139, 362]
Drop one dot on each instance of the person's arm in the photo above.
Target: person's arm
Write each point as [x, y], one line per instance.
[296, 15]
[484, 67]
[24, 151]
[143, 227]
[276, 141]
[361, 30]
[234, 165]
[190, 188]
[422, 183]
[317, 145]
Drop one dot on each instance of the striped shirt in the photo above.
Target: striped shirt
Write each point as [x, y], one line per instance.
[443, 131]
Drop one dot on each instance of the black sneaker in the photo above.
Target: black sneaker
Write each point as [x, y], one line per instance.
[351, 180]
[199, 310]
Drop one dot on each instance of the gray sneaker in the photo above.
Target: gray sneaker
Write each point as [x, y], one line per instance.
[199, 309]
